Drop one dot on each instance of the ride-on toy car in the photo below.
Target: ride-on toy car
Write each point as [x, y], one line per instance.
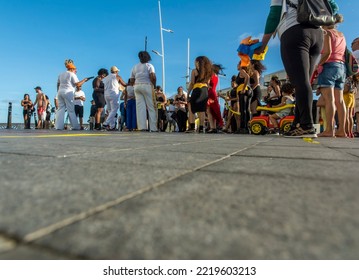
[260, 125]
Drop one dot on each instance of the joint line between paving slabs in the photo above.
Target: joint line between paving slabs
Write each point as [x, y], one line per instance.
[40, 233]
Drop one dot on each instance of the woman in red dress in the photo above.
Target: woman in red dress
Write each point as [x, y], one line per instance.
[213, 109]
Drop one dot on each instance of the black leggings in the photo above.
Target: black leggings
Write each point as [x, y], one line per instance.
[181, 120]
[300, 48]
[244, 105]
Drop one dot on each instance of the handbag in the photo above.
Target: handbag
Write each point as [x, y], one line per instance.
[313, 12]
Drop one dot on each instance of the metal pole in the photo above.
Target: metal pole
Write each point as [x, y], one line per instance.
[146, 44]
[163, 49]
[9, 113]
[188, 67]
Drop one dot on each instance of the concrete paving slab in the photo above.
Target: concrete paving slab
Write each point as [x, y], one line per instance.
[176, 196]
[291, 169]
[209, 217]
[36, 195]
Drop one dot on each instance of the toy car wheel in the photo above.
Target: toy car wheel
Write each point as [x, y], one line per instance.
[286, 127]
[257, 129]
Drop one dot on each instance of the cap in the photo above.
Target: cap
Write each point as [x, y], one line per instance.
[38, 88]
[114, 69]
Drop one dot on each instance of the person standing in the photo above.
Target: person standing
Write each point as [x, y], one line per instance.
[161, 102]
[213, 109]
[331, 79]
[180, 102]
[98, 96]
[355, 49]
[144, 77]
[66, 83]
[258, 69]
[130, 104]
[41, 107]
[79, 99]
[112, 84]
[27, 104]
[93, 111]
[198, 87]
[244, 95]
[48, 113]
[300, 48]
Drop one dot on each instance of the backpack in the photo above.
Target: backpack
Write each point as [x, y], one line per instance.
[313, 12]
[351, 64]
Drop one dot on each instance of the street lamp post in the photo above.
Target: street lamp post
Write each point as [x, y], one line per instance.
[162, 54]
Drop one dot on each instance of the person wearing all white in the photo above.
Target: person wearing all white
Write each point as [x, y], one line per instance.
[144, 77]
[112, 84]
[66, 84]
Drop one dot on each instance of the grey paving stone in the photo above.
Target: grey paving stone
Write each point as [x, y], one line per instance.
[273, 198]
[208, 217]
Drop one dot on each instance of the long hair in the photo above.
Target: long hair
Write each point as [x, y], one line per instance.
[218, 69]
[258, 66]
[144, 56]
[204, 69]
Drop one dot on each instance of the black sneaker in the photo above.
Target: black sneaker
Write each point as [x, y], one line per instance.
[301, 133]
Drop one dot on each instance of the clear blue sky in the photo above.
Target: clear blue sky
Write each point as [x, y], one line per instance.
[38, 35]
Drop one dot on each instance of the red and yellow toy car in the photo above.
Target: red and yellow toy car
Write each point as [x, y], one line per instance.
[261, 125]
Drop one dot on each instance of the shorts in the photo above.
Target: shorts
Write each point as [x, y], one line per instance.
[349, 100]
[282, 114]
[332, 76]
[41, 113]
[25, 112]
[162, 115]
[79, 111]
[99, 99]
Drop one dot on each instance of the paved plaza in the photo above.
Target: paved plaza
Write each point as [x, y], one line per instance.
[100, 195]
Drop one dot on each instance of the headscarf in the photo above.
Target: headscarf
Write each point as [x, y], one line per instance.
[69, 64]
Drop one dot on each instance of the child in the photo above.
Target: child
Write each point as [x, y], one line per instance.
[287, 98]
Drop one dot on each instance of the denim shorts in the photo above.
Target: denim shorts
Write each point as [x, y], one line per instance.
[332, 76]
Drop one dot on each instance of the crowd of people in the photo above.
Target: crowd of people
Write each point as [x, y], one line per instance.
[140, 104]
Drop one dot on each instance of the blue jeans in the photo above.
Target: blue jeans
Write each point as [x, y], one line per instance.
[131, 120]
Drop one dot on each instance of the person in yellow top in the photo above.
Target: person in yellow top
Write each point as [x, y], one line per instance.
[198, 88]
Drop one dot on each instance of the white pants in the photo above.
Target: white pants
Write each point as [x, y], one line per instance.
[112, 107]
[145, 102]
[66, 101]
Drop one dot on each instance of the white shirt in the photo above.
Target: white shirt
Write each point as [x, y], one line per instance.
[111, 84]
[141, 73]
[79, 101]
[68, 81]
[288, 15]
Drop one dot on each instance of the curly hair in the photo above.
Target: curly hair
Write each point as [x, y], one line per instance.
[287, 88]
[144, 56]
[204, 69]
[102, 71]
